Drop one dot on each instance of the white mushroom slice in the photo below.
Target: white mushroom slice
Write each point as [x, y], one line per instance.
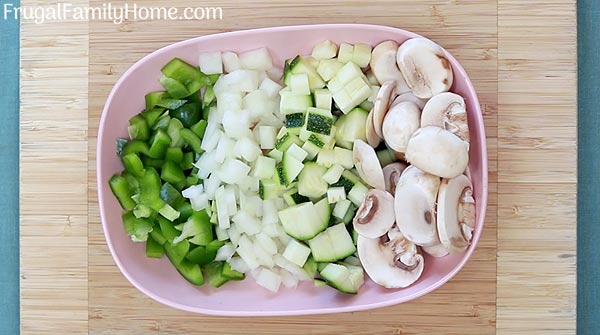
[391, 174]
[425, 67]
[372, 138]
[437, 250]
[375, 216]
[428, 182]
[367, 165]
[384, 65]
[408, 96]
[447, 110]
[399, 124]
[437, 151]
[382, 105]
[415, 214]
[456, 213]
[391, 263]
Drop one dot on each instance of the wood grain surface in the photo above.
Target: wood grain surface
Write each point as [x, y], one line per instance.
[520, 280]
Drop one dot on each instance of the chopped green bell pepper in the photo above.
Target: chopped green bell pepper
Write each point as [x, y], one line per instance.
[157, 234]
[170, 195]
[172, 173]
[188, 161]
[162, 122]
[192, 140]
[191, 272]
[153, 163]
[175, 88]
[214, 274]
[159, 144]
[137, 228]
[150, 190]
[173, 131]
[177, 252]
[120, 188]
[185, 210]
[171, 103]
[133, 164]
[153, 248]
[198, 227]
[136, 147]
[199, 128]
[154, 98]
[153, 115]
[167, 228]
[174, 155]
[121, 143]
[189, 114]
[181, 71]
[138, 128]
[230, 273]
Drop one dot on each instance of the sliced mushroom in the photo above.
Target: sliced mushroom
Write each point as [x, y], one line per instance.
[456, 213]
[382, 105]
[408, 96]
[437, 250]
[391, 263]
[384, 66]
[372, 138]
[437, 151]
[428, 182]
[425, 67]
[447, 110]
[375, 216]
[391, 174]
[399, 124]
[367, 164]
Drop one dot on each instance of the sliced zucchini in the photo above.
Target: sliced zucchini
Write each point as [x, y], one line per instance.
[310, 181]
[318, 120]
[332, 244]
[292, 197]
[304, 221]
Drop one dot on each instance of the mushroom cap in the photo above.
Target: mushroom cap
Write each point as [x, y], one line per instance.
[415, 214]
[456, 213]
[437, 151]
[375, 216]
[372, 138]
[428, 182]
[437, 250]
[399, 124]
[382, 105]
[367, 164]
[384, 66]
[447, 110]
[391, 174]
[392, 263]
[409, 96]
[425, 67]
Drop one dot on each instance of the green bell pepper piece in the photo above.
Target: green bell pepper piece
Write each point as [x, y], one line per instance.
[192, 180]
[177, 252]
[138, 128]
[121, 143]
[173, 131]
[198, 227]
[191, 272]
[137, 228]
[134, 183]
[153, 115]
[189, 114]
[213, 272]
[206, 109]
[174, 155]
[192, 140]
[133, 164]
[188, 161]
[172, 173]
[199, 128]
[203, 255]
[175, 88]
[153, 163]
[150, 190]
[154, 98]
[159, 144]
[185, 210]
[153, 248]
[136, 147]
[209, 96]
[172, 103]
[157, 234]
[162, 122]
[120, 188]
[170, 195]
[181, 71]
[142, 211]
[212, 78]
[231, 274]
[167, 228]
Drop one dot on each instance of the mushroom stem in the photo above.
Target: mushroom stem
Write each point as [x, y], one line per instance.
[367, 209]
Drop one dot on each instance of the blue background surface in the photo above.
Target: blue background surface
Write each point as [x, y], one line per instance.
[588, 264]
[9, 170]
[588, 186]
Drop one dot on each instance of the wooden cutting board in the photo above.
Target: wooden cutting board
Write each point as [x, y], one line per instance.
[521, 56]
